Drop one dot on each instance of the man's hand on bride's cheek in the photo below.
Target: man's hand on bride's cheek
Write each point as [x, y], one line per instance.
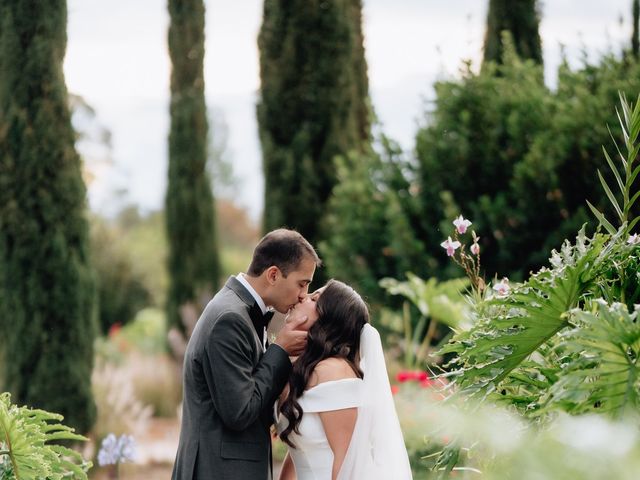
[293, 336]
[302, 321]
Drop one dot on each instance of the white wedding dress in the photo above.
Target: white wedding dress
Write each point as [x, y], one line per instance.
[377, 450]
[312, 457]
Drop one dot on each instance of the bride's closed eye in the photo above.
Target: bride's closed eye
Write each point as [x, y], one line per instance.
[316, 295]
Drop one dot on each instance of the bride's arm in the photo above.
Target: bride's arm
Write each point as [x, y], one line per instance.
[338, 426]
[288, 471]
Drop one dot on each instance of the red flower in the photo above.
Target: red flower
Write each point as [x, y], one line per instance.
[410, 375]
[114, 329]
[394, 389]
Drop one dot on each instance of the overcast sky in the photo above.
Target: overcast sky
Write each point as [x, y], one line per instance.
[117, 60]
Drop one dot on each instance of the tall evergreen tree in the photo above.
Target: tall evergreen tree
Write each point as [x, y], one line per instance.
[635, 41]
[521, 19]
[313, 105]
[47, 287]
[193, 253]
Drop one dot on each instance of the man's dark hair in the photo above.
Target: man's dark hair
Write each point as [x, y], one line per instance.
[283, 248]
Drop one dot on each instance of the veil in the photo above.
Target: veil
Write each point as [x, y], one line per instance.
[377, 450]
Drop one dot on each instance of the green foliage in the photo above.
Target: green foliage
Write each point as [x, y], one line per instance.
[487, 442]
[122, 288]
[27, 448]
[567, 339]
[313, 105]
[517, 325]
[437, 303]
[521, 20]
[547, 343]
[193, 255]
[439, 300]
[148, 332]
[47, 312]
[602, 375]
[481, 129]
[635, 36]
[630, 123]
[371, 232]
[519, 159]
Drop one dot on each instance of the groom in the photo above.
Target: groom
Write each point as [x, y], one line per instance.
[232, 376]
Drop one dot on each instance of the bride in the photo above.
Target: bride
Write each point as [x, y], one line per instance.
[337, 413]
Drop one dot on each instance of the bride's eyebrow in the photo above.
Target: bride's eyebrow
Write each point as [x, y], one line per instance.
[317, 292]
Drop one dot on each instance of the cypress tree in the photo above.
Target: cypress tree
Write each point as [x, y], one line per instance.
[193, 255]
[635, 44]
[521, 19]
[313, 105]
[47, 287]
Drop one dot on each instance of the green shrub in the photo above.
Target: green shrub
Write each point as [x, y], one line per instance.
[519, 159]
[368, 217]
[121, 284]
[29, 445]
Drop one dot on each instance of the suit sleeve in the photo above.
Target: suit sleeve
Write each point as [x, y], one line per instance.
[240, 392]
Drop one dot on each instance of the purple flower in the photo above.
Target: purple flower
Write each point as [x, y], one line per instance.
[634, 239]
[461, 224]
[502, 288]
[450, 246]
[116, 450]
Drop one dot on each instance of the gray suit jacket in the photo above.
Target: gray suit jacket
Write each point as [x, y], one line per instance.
[230, 387]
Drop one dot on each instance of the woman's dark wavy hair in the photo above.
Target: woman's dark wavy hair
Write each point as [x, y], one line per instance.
[341, 315]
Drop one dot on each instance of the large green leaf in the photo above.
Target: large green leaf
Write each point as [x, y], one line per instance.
[439, 300]
[604, 374]
[25, 438]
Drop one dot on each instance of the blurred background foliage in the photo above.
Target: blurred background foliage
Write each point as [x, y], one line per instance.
[495, 144]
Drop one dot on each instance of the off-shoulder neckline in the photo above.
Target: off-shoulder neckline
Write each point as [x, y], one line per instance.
[348, 379]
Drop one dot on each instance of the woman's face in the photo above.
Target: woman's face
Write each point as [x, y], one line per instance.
[306, 308]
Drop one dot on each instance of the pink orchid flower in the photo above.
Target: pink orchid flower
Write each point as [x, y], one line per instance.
[450, 246]
[634, 239]
[461, 224]
[502, 288]
[475, 249]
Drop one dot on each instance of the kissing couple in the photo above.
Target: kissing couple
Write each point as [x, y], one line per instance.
[323, 380]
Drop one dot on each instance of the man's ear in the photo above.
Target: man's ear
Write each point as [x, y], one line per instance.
[272, 274]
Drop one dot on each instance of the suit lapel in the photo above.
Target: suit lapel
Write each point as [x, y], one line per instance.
[253, 309]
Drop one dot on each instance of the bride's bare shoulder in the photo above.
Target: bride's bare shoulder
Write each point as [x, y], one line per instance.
[330, 369]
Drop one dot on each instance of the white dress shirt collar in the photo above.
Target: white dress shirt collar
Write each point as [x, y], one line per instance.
[241, 278]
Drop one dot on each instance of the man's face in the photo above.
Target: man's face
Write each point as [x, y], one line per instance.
[289, 290]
